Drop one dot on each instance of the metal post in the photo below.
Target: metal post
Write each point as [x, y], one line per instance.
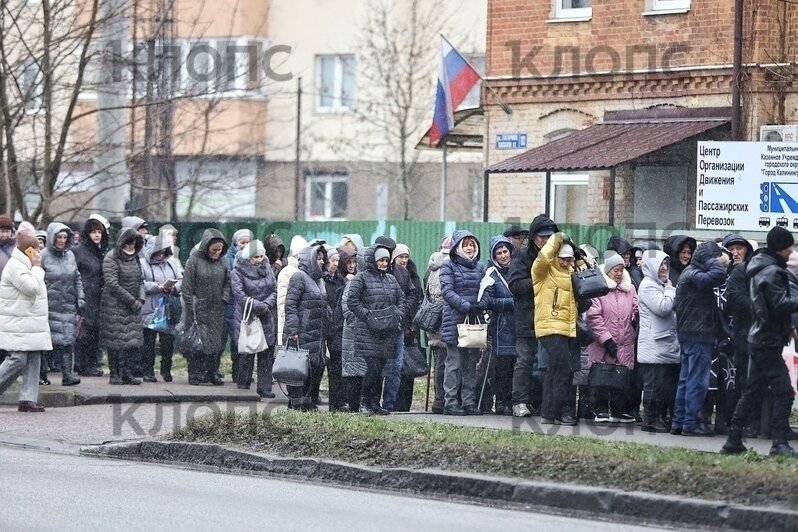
[737, 72]
[298, 164]
[612, 196]
[547, 207]
[443, 184]
[485, 195]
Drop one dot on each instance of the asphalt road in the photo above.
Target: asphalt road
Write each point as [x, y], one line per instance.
[49, 491]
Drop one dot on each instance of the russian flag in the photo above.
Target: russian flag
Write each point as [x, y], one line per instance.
[456, 78]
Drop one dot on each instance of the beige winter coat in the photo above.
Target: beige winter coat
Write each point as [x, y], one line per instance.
[24, 322]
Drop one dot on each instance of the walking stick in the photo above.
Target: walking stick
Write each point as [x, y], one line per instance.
[485, 379]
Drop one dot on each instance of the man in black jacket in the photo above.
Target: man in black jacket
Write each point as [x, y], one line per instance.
[520, 283]
[772, 305]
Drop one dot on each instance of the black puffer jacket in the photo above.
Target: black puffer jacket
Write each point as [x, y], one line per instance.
[307, 313]
[372, 290]
[772, 300]
[123, 295]
[697, 314]
[89, 257]
[64, 287]
[673, 244]
[207, 282]
[334, 285]
[520, 279]
[410, 289]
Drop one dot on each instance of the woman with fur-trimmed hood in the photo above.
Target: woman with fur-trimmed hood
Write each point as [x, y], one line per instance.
[611, 318]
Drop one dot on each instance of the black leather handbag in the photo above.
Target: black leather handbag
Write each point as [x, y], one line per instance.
[589, 283]
[429, 316]
[415, 362]
[291, 365]
[609, 377]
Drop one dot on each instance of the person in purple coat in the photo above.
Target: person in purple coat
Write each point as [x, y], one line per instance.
[253, 277]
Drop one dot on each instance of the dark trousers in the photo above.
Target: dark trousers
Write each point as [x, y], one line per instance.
[336, 379]
[352, 389]
[166, 348]
[558, 393]
[526, 350]
[659, 391]
[372, 383]
[404, 399]
[741, 363]
[246, 367]
[504, 373]
[88, 355]
[301, 395]
[767, 368]
[606, 402]
[439, 356]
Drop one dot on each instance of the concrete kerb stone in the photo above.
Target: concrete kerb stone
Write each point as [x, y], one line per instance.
[605, 502]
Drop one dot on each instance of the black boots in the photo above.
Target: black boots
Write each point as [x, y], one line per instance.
[67, 377]
[734, 443]
[782, 448]
[119, 371]
[166, 368]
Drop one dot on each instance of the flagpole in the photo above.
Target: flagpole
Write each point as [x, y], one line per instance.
[443, 183]
[506, 108]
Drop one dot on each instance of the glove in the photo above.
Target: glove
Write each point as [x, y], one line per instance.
[475, 310]
[137, 305]
[724, 260]
[611, 347]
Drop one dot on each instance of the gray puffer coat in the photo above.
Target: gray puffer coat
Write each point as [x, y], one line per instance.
[120, 327]
[64, 288]
[156, 272]
[206, 282]
[373, 290]
[352, 365]
[257, 282]
[306, 310]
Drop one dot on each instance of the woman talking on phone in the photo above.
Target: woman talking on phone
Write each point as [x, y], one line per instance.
[24, 322]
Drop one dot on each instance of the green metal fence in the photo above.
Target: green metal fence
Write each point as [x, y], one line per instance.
[422, 237]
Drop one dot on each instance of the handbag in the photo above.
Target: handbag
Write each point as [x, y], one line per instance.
[609, 377]
[429, 315]
[589, 283]
[291, 365]
[159, 321]
[191, 338]
[472, 335]
[251, 338]
[415, 362]
[383, 321]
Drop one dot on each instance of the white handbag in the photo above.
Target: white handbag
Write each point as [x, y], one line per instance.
[251, 338]
[472, 335]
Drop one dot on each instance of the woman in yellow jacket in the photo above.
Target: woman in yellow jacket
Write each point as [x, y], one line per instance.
[555, 326]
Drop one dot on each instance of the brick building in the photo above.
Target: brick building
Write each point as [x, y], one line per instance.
[635, 76]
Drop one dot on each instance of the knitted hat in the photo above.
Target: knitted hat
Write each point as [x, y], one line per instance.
[332, 251]
[25, 241]
[381, 253]
[241, 233]
[6, 222]
[612, 260]
[779, 239]
[26, 227]
[566, 251]
[255, 247]
[401, 249]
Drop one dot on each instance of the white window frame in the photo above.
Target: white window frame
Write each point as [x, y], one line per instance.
[337, 85]
[571, 13]
[668, 5]
[328, 180]
[564, 179]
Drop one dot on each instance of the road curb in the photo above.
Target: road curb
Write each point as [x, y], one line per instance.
[68, 398]
[602, 501]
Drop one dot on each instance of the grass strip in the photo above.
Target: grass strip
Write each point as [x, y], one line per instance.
[749, 479]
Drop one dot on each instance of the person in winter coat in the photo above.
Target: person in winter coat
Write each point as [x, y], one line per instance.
[24, 323]
[121, 302]
[307, 315]
[353, 241]
[275, 252]
[437, 345]
[622, 247]
[353, 366]
[658, 350]
[520, 281]
[162, 284]
[7, 245]
[410, 284]
[773, 304]
[241, 238]
[139, 224]
[698, 327]
[377, 302]
[334, 284]
[253, 278]
[636, 268]
[206, 291]
[555, 325]
[291, 267]
[460, 279]
[89, 255]
[64, 297]
[498, 301]
[680, 249]
[611, 319]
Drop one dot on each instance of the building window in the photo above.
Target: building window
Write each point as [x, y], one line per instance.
[31, 86]
[576, 9]
[669, 5]
[326, 197]
[335, 82]
[568, 198]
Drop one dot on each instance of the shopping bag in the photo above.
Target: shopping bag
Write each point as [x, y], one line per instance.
[415, 362]
[191, 338]
[251, 338]
[472, 335]
[159, 321]
[291, 365]
[609, 377]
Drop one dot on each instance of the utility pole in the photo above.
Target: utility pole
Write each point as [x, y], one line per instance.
[737, 72]
[298, 162]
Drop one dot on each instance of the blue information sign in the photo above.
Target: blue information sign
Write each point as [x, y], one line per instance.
[510, 141]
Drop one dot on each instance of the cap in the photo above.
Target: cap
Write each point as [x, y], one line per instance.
[566, 251]
[546, 230]
[515, 230]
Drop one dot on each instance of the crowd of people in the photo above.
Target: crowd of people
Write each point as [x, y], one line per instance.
[698, 327]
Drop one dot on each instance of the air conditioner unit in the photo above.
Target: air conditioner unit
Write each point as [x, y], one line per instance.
[779, 133]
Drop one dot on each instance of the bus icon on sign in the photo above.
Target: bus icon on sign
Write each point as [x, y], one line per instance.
[782, 222]
[764, 222]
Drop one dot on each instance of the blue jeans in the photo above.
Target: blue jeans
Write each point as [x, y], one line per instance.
[693, 384]
[394, 374]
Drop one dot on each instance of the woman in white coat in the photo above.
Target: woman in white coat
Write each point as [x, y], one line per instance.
[24, 323]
